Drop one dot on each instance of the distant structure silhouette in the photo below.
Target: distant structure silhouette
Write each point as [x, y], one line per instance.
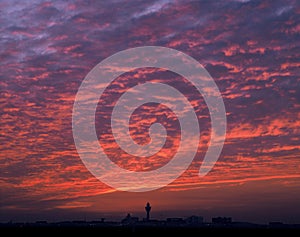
[221, 220]
[129, 220]
[148, 209]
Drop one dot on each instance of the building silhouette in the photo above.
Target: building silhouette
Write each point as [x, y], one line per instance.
[148, 209]
[132, 223]
[194, 220]
[221, 220]
[129, 220]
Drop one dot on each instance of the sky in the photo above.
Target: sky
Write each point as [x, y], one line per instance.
[250, 48]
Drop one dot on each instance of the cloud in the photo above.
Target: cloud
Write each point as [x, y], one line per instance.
[250, 48]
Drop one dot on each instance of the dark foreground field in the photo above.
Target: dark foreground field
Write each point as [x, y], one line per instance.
[150, 231]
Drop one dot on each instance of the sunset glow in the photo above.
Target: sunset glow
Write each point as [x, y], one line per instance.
[250, 48]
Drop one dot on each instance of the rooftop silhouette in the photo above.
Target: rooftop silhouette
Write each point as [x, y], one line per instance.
[191, 223]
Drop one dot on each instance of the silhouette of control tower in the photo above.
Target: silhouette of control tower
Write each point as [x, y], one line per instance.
[148, 209]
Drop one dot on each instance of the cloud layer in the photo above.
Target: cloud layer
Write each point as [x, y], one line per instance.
[250, 48]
